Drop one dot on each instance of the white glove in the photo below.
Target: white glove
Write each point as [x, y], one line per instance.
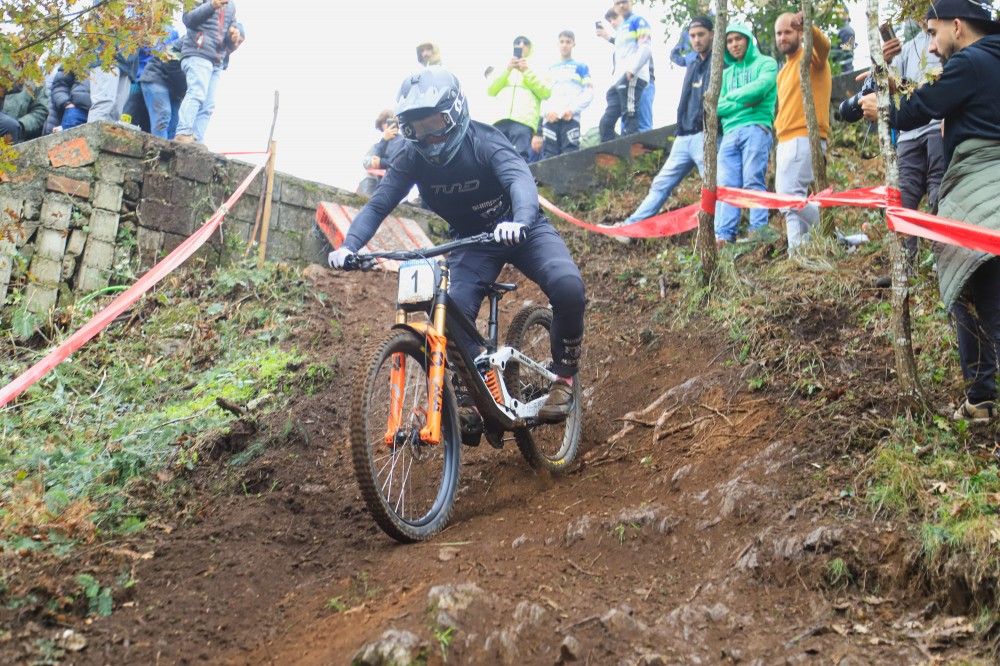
[509, 233]
[339, 256]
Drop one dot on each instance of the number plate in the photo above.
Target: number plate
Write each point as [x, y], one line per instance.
[417, 281]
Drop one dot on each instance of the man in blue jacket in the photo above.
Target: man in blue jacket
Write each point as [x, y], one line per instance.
[470, 175]
[212, 34]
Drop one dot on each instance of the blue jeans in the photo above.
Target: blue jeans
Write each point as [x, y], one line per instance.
[743, 157]
[163, 112]
[73, 117]
[686, 153]
[199, 102]
[646, 107]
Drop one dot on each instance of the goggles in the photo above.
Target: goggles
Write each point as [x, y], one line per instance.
[434, 126]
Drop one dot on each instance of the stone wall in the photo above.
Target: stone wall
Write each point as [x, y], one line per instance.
[87, 206]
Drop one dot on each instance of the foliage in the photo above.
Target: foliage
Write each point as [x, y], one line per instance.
[38, 36]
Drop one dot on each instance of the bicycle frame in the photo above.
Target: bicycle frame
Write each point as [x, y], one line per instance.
[500, 412]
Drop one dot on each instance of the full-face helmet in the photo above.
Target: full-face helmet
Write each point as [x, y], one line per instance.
[433, 114]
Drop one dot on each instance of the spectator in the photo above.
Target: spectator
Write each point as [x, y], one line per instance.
[746, 110]
[213, 34]
[537, 151]
[25, 108]
[428, 54]
[572, 92]
[70, 98]
[844, 53]
[966, 97]
[109, 90]
[920, 151]
[687, 151]
[646, 102]
[383, 153]
[631, 71]
[520, 91]
[163, 85]
[793, 168]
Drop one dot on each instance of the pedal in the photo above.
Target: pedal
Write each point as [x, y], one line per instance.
[471, 425]
[495, 439]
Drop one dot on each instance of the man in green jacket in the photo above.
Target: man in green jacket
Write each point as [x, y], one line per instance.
[25, 108]
[746, 109]
[520, 91]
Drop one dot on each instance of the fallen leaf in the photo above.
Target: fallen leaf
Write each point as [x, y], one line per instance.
[448, 553]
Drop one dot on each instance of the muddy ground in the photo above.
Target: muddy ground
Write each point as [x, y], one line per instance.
[709, 537]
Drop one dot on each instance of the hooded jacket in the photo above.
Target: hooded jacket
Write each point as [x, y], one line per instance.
[208, 32]
[435, 58]
[749, 88]
[966, 96]
[66, 89]
[519, 94]
[30, 106]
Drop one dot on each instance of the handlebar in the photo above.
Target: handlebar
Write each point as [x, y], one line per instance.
[365, 262]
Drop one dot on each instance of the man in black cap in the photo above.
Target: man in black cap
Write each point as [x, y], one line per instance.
[967, 97]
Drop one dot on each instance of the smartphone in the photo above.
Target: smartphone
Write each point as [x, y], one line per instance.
[886, 31]
[518, 51]
[598, 24]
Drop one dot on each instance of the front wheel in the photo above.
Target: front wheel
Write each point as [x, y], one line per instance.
[551, 446]
[408, 485]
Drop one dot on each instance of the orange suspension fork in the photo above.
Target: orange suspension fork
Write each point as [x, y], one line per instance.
[431, 433]
[397, 383]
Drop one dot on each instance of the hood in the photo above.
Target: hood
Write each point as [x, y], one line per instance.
[435, 53]
[752, 51]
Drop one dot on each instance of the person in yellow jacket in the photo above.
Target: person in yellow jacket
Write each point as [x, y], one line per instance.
[520, 91]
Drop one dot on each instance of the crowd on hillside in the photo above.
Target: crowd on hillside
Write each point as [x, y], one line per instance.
[168, 90]
[946, 135]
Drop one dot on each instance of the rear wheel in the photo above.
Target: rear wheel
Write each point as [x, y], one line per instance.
[552, 446]
[409, 486]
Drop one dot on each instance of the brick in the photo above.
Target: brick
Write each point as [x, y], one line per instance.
[194, 163]
[245, 209]
[166, 217]
[56, 212]
[98, 254]
[45, 270]
[51, 244]
[283, 246]
[74, 188]
[77, 241]
[40, 298]
[314, 248]
[158, 186]
[90, 279]
[68, 266]
[296, 194]
[121, 140]
[150, 244]
[107, 196]
[104, 225]
[7, 252]
[294, 218]
[73, 153]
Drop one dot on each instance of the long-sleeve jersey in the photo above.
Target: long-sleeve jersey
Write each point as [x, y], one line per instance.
[486, 182]
[632, 49]
[572, 88]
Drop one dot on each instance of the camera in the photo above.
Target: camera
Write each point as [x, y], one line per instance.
[598, 24]
[518, 51]
[850, 109]
[886, 31]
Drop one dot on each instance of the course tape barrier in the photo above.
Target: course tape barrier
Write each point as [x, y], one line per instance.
[665, 224]
[102, 319]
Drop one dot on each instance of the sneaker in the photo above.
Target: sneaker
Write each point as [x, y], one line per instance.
[625, 240]
[720, 243]
[471, 424]
[559, 403]
[185, 138]
[980, 412]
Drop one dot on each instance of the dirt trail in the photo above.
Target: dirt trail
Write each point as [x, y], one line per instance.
[711, 545]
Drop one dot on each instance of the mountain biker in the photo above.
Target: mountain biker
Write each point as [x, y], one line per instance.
[469, 174]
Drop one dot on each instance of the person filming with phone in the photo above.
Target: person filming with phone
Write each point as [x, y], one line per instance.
[966, 97]
[519, 90]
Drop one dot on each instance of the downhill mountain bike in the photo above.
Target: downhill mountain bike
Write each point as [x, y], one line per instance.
[404, 424]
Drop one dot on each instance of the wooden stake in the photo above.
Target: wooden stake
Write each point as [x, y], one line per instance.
[266, 217]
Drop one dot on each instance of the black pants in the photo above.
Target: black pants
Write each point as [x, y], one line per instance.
[518, 134]
[9, 126]
[976, 317]
[623, 102]
[921, 168]
[544, 259]
[562, 136]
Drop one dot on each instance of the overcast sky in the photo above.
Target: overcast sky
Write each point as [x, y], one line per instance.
[336, 65]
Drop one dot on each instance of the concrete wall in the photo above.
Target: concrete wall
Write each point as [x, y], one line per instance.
[91, 203]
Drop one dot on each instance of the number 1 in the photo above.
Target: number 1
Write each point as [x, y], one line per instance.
[415, 273]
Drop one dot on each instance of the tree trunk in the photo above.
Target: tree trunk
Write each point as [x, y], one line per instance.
[812, 122]
[705, 243]
[902, 341]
